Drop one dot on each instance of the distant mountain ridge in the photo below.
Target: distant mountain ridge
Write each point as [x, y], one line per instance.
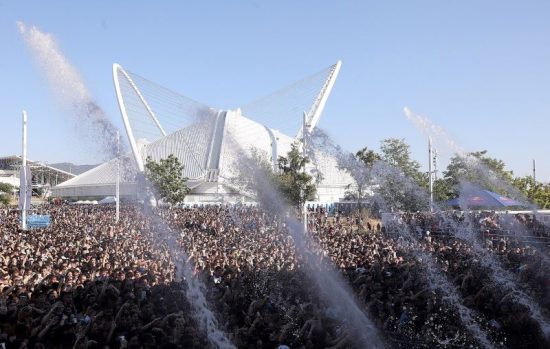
[72, 168]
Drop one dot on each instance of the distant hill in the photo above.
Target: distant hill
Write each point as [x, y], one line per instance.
[72, 168]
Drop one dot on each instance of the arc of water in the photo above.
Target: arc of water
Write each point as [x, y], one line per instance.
[497, 272]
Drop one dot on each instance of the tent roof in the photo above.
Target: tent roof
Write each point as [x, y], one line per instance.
[482, 198]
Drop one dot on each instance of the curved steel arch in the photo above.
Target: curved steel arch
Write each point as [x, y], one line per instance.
[321, 100]
[318, 105]
[313, 116]
[116, 69]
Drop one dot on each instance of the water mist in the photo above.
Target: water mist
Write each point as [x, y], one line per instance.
[68, 86]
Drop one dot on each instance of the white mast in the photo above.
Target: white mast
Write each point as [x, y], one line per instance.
[117, 186]
[314, 113]
[23, 183]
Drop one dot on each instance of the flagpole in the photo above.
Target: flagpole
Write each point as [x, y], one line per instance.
[23, 186]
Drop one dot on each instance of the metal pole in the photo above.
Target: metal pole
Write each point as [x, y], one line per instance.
[430, 173]
[304, 140]
[117, 194]
[24, 185]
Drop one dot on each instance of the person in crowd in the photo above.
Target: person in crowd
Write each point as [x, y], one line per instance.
[88, 282]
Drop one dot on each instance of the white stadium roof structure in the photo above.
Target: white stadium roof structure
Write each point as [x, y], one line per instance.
[209, 141]
[43, 175]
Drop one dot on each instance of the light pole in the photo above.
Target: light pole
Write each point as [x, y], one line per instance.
[23, 177]
[117, 185]
[304, 154]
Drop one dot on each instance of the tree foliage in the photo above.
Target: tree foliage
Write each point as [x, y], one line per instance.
[255, 178]
[166, 179]
[359, 166]
[491, 174]
[477, 168]
[295, 185]
[538, 193]
[368, 156]
[444, 189]
[5, 193]
[399, 178]
[396, 152]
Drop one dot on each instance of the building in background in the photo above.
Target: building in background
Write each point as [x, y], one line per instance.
[44, 176]
[211, 143]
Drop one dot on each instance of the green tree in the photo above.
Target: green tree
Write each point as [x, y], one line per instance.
[479, 169]
[166, 179]
[368, 157]
[400, 183]
[295, 185]
[526, 185]
[444, 190]
[541, 196]
[5, 193]
[538, 193]
[397, 153]
[255, 178]
[359, 166]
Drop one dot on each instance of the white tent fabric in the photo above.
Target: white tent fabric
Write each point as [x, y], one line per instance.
[100, 181]
[107, 200]
[85, 202]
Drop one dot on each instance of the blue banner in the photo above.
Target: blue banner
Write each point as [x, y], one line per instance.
[38, 221]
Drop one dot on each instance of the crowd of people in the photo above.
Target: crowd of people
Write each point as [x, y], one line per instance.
[516, 225]
[89, 282]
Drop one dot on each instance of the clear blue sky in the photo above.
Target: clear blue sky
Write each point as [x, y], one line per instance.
[480, 69]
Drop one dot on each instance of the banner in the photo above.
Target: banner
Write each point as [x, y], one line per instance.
[25, 188]
[38, 221]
